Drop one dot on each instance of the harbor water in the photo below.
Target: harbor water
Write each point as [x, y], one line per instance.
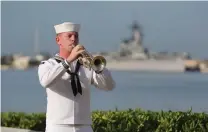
[21, 91]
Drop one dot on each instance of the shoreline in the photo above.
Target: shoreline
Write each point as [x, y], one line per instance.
[147, 65]
[179, 66]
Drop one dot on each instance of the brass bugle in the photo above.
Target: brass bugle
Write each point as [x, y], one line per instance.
[97, 63]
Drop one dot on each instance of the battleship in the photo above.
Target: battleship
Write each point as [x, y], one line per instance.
[132, 55]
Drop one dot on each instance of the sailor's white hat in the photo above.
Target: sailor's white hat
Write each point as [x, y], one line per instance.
[67, 27]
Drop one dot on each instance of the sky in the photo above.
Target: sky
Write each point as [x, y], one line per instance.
[167, 26]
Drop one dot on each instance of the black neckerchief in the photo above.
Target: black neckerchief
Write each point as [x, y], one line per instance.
[75, 82]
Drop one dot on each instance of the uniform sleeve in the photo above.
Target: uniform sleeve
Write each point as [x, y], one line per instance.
[49, 72]
[103, 80]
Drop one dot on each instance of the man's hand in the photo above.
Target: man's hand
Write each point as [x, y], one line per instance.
[76, 51]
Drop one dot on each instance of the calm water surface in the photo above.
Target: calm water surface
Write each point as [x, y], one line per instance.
[21, 91]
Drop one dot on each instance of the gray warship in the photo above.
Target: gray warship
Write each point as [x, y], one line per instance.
[132, 55]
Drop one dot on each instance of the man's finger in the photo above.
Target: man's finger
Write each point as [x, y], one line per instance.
[80, 48]
[80, 51]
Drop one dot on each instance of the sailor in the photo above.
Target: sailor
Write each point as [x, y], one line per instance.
[67, 83]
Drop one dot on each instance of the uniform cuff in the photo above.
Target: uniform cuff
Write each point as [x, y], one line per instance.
[98, 72]
[65, 64]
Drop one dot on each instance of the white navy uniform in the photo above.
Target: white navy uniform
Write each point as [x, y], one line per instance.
[67, 112]
[62, 106]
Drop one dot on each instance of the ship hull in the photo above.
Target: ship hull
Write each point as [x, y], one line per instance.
[147, 65]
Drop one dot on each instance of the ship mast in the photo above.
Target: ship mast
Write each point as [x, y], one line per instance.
[137, 33]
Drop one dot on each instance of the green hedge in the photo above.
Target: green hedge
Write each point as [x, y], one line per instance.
[121, 121]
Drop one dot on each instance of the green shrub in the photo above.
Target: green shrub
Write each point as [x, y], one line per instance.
[121, 121]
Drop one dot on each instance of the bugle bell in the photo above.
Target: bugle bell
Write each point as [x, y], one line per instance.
[97, 63]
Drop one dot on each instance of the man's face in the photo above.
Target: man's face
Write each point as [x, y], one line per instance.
[67, 40]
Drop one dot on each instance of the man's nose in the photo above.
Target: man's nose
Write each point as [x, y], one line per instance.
[73, 38]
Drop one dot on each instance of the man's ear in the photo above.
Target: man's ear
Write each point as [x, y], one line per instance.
[58, 40]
